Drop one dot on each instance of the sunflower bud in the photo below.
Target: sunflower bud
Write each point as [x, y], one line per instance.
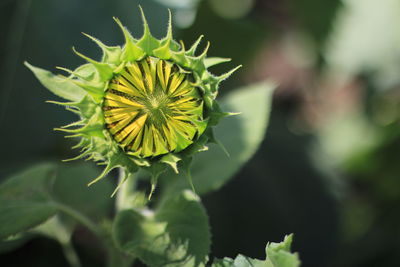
[148, 104]
[151, 108]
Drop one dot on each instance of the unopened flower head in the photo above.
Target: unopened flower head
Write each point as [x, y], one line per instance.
[151, 108]
[150, 103]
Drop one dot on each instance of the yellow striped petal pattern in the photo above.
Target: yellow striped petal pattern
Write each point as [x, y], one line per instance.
[151, 108]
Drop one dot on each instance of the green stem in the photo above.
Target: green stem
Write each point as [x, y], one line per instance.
[124, 200]
[126, 192]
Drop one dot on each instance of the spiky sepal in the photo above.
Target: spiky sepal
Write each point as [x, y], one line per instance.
[163, 128]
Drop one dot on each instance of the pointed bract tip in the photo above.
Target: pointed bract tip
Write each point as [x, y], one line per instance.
[94, 39]
[128, 37]
[204, 54]
[212, 61]
[26, 63]
[229, 73]
[153, 187]
[59, 103]
[81, 55]
[193, 48]
[118, 22]
[233, 113]
[169, 30]
[182, 45]
[74, 158]
[119, 185]
[145, 24]
[101, 176]
[66, 70]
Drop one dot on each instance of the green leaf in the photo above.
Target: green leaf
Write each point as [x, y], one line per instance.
[177, 234]
[24, 200]
[58, 85]
[278, 255]
[31, 197]
[240, 134]
[70, 188]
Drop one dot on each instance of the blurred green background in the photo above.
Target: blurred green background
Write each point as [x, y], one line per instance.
[329, 169]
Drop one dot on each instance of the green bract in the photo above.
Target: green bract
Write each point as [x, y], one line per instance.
[150, 103]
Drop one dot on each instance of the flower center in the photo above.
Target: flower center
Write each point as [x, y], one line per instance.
[151, 108]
